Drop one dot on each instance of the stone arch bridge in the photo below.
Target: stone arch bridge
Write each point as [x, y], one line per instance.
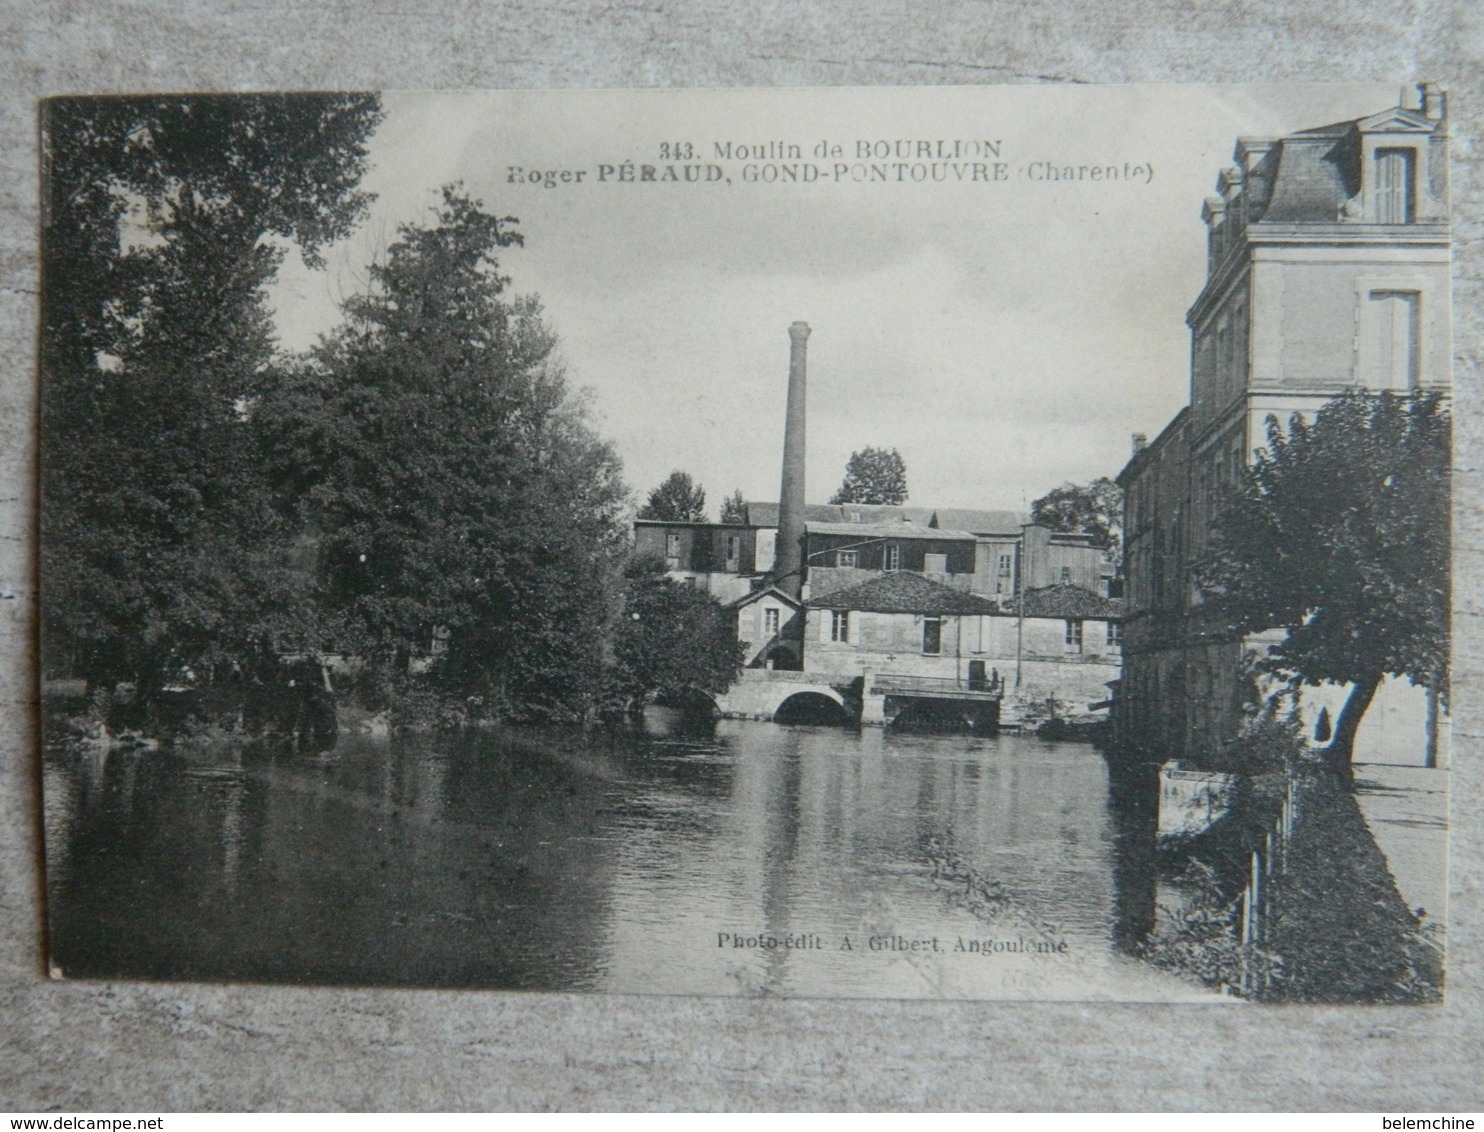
[760, 693]
[871, 698]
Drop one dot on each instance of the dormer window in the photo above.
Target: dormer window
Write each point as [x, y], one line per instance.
[1396, 197]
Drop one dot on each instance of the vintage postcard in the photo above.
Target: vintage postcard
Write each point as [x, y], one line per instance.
[972, 543]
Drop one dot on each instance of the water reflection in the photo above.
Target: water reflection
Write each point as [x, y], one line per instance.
[660, 860]
[1133, 798]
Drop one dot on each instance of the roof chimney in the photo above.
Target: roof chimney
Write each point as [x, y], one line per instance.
[1141, 441]
[1432, 102]
[789, 564]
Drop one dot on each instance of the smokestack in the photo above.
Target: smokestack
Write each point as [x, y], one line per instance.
[788, 565]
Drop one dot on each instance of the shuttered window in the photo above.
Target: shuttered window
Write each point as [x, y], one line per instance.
[1395, 203]
[1395, 316]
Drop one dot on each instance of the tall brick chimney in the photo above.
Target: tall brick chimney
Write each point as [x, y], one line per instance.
[788, 565]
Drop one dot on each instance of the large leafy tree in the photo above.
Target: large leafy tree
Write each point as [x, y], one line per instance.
[1339, 536]
[451, 478]
[1094, 508]
[874, 475]
[164, 219]
[673, 640]
[678, 500]
[734, 508]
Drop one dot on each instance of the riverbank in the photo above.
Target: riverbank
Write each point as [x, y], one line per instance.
[1324, 921]
[1339, 926]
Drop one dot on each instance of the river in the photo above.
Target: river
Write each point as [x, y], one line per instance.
[739, 858]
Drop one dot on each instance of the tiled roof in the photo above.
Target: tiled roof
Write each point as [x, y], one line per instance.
[1312, 181]
[702, 525]
[883, 513]
[1318, 170]
[867, 531]
[765, 514]
[980, 522]
[1069, 603]
[901, 591]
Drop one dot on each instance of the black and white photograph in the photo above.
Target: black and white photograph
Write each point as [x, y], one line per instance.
[968, 543]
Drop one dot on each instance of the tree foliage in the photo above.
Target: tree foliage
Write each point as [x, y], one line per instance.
[452, 479]
[677, 500]
[1094, 508]
[874, 475]
[672, 641]
[164, 217]
[734, 508]
[1340, 537]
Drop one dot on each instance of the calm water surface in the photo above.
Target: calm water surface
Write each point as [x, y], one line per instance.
[615, 862]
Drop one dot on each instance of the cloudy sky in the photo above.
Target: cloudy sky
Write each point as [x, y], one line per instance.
[1005, 335]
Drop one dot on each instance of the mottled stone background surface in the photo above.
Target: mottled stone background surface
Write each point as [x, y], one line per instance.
[143, 1047]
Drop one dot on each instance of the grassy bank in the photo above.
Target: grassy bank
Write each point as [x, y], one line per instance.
[1340, 926]
[1335, 929]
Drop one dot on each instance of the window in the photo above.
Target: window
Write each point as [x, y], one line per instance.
[1398, 359]
[672, 551]
[893, 556]
[848, 558]
[840, 625]
[1395, 198]
[770, 621]
[1074, 636]
[1066, 575]
[1240, 330]
[1223, 351]
[935, 563]
[1204, 366]
[1004, 564]
[734, 550]
[1115, 634]
[932, 636]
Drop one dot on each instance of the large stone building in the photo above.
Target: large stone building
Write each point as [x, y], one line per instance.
[1051, 651]
[1327, 269]
[891, 591]
[995, 554]
[876, 597]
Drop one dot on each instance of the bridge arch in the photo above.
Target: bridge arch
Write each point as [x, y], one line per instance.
[692, 701]
[761, 694]
[823, 706]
